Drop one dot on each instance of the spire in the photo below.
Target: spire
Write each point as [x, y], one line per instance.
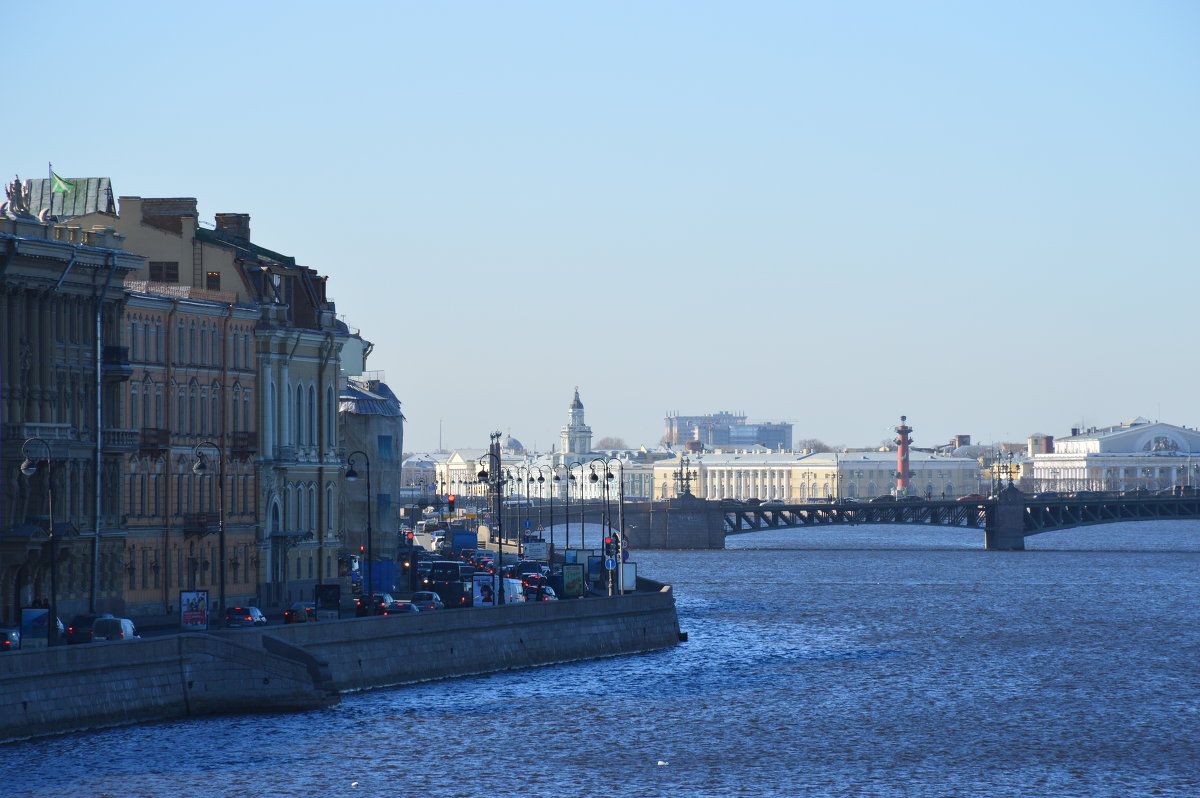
[576, 405]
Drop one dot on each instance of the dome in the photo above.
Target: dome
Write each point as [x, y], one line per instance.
[511, 444]
[576, 405]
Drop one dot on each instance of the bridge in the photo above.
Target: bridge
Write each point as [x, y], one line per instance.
[1005, 521]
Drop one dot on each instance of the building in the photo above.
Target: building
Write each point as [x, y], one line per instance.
[268, 362]
[576, 436]
[371, 429]
[1135, 455]
[63, 371]
[726, 430]
[797, 477]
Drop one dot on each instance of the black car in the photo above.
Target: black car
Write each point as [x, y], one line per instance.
[80, 628]
[300, 612]
[372, 604]
[400, 608]
[244, 616]
[10, 639]
[882, 499]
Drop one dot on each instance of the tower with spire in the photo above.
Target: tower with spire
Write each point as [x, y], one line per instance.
[576, 435]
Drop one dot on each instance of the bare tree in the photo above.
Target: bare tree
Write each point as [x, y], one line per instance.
[815, 444]
[611, 443]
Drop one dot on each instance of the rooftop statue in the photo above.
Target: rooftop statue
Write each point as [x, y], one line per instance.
[18, 198]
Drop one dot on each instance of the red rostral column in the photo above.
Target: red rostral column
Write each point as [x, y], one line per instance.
[902, 470]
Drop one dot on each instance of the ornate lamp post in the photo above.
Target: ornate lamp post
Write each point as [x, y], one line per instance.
[29, 468]
[352, 476]
[620, 519]
[492, 475]
[199, 468]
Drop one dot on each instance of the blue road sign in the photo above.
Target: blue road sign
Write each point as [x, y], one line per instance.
[528, 523]
[610, 563]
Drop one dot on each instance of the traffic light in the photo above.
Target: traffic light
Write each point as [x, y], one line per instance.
[410, 538]
[611, 546]
[450, 502]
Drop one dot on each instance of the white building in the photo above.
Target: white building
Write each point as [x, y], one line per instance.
[796, 477]
[1137, 454]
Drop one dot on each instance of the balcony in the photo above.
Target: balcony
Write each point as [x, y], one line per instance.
[155, 440]
[200, 523]
[115, 363]
[121, 440]
[243, 442]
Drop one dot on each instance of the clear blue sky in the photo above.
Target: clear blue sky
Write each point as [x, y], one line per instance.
[981, 215]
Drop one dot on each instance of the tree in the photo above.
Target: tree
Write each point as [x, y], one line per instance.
[611, 443]
[815, 444]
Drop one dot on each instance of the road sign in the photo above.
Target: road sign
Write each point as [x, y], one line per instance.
[610, 563]
[528, 523]
[625, 554]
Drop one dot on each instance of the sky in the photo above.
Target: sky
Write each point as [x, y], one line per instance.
[979, 215]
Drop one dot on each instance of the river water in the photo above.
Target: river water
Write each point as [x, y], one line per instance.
[869, 661]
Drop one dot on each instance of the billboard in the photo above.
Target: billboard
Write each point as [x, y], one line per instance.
[193, 610]
[572, 574]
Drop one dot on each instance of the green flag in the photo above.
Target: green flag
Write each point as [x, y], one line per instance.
[57, 184]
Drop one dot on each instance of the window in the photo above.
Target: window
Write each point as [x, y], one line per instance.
[212, 281]
[164, 271]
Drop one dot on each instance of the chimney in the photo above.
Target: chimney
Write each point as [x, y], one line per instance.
[235, 224]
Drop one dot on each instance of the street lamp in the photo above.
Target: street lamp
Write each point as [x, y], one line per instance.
[29, 468]
[620, 520]
[352, 476]
[199, 468]
[492, 475]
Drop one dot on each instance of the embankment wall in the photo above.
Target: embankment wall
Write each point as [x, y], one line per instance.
[69, 688]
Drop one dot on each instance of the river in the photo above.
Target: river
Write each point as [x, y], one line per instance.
[868, 661]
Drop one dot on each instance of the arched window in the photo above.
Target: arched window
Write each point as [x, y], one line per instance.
[217, 415]
[158, 407]
[246, 419]
[180, 343]
[133, 336]
[312, 508]
[298, 426]
[147, 341]
[312, 414]
[329, 507]
[134, 413]
[194, 343]
[330, 418]
[181, 416]
[193, 407]
[147, 407]
[204, 426]
[234, 342]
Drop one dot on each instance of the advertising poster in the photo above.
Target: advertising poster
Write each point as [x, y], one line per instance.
[484, 590]
[572, 575]
[193, 610]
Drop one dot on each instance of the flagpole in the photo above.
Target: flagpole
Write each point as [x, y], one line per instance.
[50, 177]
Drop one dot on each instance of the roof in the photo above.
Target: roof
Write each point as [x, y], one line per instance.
[355, 398]
[90, 195]
[233, 242]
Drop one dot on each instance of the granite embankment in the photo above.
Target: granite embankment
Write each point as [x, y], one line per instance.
[307, 666]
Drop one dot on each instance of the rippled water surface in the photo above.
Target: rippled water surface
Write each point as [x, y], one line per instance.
[876, 661]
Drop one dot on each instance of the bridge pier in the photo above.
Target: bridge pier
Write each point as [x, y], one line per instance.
[1005, 530]
[681, 523]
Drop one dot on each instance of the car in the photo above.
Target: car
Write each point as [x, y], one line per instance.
[114, 629]
[372, 604]
[244, 616]
[1049, 494]
[773, 501]
[80, 628]
[10, 639]
[972, 497]
[539, 593]
[911, 499]
[400, 608]
[849, 500]
[882, 499]
[426, 600]
[300, 612]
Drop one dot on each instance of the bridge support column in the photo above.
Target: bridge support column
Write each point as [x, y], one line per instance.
[1005, 530]
[681, 523]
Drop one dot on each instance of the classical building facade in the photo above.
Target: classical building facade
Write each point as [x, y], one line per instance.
[1135, 455]
[796, 478]
[252, 340]
[372, 434]
[63, 371]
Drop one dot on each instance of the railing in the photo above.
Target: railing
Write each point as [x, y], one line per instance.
[121, 440]
[179, 291]
[200, 523]
[153, 439]
[242, 441]
[48, 432]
